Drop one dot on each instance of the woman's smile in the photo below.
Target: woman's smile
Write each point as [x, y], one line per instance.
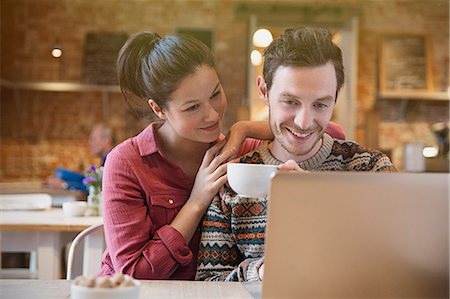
[212, 127]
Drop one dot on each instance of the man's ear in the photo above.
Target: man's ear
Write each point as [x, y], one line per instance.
[156, 109]
[262, 89]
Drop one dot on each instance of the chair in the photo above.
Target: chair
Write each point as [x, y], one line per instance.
[71, 254]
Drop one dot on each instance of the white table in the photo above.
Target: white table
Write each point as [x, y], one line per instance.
[46, 232]
[164, 289]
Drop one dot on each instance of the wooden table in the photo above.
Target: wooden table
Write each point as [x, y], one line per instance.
[58, 195]
[46, 232]
[165, 289]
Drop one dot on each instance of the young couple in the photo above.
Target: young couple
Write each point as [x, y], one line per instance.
[158, 185]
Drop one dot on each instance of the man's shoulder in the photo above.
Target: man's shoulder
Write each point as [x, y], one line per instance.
[358, 157]
[254, 157]
[348, 148]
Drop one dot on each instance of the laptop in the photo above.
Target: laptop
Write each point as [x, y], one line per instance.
[357, 235]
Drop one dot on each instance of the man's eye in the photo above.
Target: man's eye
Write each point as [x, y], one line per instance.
[320, 105]
[289, 102]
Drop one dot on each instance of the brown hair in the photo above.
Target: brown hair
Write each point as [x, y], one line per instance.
[152, 67]
[303, 46]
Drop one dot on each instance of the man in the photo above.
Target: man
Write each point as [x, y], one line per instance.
[303, 72]
[101, 141]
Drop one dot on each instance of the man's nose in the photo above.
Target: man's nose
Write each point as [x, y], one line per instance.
[304, 118]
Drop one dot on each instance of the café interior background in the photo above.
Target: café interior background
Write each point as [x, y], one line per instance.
[45, 122]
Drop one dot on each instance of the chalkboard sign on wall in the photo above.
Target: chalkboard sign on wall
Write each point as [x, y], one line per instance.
[100, 56]
[205, 35]
[405, 63]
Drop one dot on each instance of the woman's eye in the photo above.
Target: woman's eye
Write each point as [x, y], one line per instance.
[217, 93]
[192, 108]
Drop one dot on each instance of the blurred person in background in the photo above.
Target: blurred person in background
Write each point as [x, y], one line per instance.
[101, 141]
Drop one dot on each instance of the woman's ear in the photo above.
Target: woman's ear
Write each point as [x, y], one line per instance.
[156, 109]
[262, 89]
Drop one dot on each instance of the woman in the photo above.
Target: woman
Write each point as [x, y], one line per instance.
[158, 185]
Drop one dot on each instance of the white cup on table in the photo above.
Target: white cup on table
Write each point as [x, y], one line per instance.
[74, 208]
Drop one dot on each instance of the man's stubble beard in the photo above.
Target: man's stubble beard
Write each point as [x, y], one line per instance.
[291, 150]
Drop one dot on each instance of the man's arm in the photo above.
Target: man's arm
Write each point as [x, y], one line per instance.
[382, 163]
[219, 257]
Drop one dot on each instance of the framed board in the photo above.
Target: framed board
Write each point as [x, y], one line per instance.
[205, 35]
[100, 55]
[405, 64]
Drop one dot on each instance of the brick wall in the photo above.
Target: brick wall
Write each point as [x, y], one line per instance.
[40, 130]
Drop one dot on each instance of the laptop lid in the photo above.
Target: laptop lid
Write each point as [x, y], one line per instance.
[357, 235]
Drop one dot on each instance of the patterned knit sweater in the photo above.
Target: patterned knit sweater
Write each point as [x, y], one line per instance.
[232, 243]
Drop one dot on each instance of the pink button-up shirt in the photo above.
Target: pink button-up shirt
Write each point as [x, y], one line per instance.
[142, 193]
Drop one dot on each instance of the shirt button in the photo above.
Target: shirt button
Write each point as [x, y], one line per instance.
[170, 201]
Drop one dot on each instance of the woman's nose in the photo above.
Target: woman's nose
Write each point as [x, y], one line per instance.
[212, 114]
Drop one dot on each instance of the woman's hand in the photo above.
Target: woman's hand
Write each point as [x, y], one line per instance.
[291, 165]
[245, 129]
[234, 139]
[211, 175]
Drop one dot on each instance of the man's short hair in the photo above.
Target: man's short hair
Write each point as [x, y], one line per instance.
[306, 47]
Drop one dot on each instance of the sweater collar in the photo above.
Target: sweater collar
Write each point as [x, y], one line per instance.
[309, 164]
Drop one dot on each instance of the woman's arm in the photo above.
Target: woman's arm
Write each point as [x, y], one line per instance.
[242, 130]
[252, 129]
[247, 135]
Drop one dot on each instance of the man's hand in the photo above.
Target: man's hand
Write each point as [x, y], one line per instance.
[56, 183]
[291, 165]
[261, 272]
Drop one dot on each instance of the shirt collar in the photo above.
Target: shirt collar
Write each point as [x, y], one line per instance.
[146, 140]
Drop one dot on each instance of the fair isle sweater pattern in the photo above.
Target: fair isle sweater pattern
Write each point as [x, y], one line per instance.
[232, 243]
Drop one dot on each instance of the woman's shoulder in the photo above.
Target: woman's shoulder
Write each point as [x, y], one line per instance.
[249, 145]
[125, 147]
[142, 142]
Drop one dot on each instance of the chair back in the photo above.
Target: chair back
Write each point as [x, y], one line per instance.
[76, 241]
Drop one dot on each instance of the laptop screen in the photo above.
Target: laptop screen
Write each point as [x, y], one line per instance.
[347, 235]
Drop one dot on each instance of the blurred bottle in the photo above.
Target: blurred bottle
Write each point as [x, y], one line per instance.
[413, 158]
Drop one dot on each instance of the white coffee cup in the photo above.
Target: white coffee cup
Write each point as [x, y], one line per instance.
[250, 180]
[74, 208]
